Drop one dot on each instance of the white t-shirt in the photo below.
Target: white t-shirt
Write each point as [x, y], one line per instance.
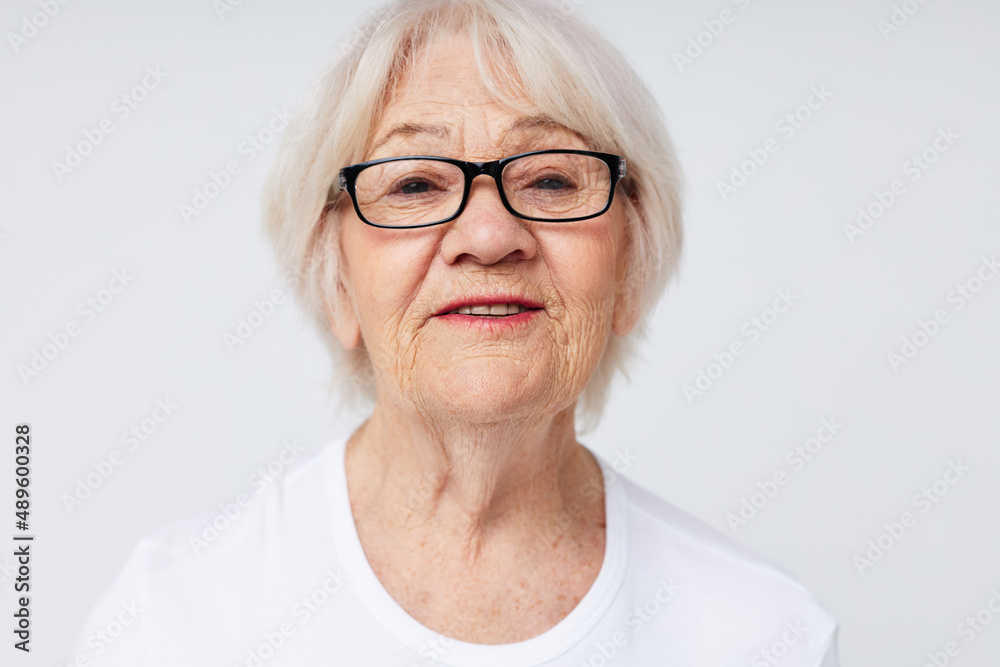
[287, 583]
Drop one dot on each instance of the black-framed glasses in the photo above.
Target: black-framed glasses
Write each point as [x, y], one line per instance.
[423, 190]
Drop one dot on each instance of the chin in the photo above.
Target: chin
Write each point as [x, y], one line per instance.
[479, 397]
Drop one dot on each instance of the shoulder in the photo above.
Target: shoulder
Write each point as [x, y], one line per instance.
[276, 506]
[746, 598]
[217, 567]
[657, 521]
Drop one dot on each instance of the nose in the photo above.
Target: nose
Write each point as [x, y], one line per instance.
[486, 232]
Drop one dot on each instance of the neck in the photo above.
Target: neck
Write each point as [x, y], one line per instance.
[470, 484]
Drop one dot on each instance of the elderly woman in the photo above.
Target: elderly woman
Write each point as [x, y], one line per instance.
[480, 203]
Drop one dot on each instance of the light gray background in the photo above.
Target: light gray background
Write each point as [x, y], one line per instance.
[162, 336]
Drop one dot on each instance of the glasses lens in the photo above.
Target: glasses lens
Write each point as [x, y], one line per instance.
[557, 186]
[409, 192]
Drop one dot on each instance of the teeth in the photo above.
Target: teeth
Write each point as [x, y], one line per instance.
[498, 309]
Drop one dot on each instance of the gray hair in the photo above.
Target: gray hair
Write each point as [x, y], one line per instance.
[530, 49]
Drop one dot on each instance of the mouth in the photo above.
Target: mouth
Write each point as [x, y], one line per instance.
[496, 310]
[490, 308]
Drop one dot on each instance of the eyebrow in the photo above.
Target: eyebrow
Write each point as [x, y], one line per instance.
[533, 122]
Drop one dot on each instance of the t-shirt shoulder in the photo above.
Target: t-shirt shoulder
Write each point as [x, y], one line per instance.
[730, 583]
[682, 526]
[207, 566]
[271, 507]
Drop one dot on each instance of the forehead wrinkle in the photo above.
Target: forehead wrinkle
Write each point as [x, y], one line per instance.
[516, 136]
[533, 122]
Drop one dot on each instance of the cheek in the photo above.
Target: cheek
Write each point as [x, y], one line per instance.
[386, 274]
[583, 269]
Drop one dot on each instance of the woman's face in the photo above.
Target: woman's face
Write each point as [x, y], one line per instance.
[397, 281]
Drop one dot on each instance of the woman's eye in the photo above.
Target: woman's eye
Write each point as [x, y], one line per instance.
[550, 181]
[550, 184]
[415, 188]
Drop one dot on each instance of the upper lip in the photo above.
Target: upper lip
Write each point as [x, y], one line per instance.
[491, 300]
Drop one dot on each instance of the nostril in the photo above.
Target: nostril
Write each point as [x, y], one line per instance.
[486, 233]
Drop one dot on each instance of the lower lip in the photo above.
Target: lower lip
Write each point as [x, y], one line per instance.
[490, 323]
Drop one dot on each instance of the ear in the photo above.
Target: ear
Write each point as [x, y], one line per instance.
[626, 312]
[343, 318]
[341, 314]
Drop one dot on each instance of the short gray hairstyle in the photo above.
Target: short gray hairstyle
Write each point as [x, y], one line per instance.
[524, 49]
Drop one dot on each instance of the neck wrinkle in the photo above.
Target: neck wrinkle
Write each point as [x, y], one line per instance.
[468, 482]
